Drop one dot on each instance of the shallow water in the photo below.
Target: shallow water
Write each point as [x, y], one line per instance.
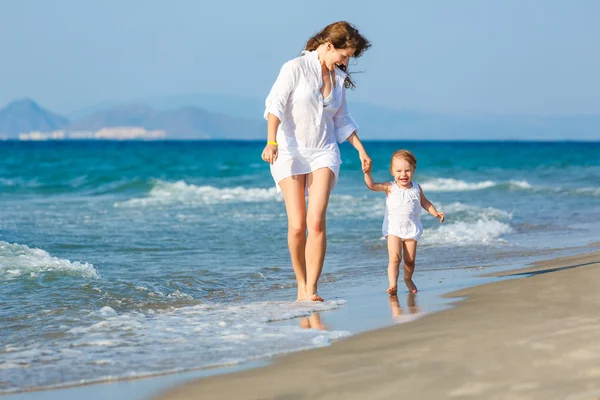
[125, 259]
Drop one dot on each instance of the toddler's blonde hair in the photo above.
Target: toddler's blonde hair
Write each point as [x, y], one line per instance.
[404, 155]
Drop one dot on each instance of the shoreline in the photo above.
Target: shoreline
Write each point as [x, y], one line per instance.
[440, 299]
[525, 338]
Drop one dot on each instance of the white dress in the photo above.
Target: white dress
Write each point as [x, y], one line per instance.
[311, 127]
[403, 212]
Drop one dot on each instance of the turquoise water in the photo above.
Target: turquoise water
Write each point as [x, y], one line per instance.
[124, 259]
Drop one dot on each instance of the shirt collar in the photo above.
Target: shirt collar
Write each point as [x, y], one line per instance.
[313, 57]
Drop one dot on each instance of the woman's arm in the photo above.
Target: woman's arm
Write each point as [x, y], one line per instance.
[275, 107]
[426, 204]
[272, 125]
[280, 91]
[365, 160]
[345, 129]
[270, 151]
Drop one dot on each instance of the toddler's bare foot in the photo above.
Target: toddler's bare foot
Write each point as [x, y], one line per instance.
[393, 290]
[411, 285]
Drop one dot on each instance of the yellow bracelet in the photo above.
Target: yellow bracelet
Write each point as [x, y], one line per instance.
[273, 143]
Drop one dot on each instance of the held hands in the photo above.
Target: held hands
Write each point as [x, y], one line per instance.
[441, 216]
[365, 162]
[269, 154]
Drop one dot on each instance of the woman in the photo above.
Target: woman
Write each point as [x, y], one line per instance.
[307, 117]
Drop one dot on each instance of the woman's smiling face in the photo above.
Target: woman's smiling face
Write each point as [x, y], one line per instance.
[335, 57]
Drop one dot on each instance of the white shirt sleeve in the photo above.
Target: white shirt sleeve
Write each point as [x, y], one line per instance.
[277, 99]
[343, 123]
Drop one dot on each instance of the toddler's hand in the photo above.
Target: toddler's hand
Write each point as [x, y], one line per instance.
[365, 162]
[441, 216]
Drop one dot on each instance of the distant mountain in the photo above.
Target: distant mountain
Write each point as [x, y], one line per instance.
[379, 122]
[26, 116]
[223, 117]
[180, 123]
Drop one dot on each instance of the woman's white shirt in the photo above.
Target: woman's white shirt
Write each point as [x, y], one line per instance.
[297, 101]
[309, 131]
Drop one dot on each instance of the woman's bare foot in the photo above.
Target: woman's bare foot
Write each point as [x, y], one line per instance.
[301, 293]
[393, 290]
[315, 297]
[411, 285]
[312, 295]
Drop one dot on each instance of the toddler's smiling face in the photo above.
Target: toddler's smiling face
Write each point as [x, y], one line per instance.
[402, 171]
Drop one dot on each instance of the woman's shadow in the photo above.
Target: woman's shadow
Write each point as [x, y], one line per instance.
[411, 302]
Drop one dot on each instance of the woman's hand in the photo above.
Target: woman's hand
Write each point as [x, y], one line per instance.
[269, 154]
[365, 161]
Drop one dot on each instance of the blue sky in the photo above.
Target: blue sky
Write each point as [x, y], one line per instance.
[535, 57]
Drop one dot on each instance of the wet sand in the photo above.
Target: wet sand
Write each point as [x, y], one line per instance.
[537, 337]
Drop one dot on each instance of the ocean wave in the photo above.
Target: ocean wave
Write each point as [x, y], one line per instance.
[589, 191]
[482, 231]
[460, 211]
[181, 193]
[468, 224]
[17, 260]
[20, 182]
[569, 191]
[523, 184]
[152, 342]
[454, 185]
[168, 193]
[360, 207]
[103, 186]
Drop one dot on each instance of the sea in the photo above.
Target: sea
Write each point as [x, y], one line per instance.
[122, 260]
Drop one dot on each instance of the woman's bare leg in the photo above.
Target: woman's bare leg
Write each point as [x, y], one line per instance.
[295, 205]
[410, 254]
[394, 257]
[319, 188]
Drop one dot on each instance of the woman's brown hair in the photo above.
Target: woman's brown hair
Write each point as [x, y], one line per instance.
[342, 35]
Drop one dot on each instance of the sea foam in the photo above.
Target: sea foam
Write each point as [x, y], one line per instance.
[17, 259]
[168, 193]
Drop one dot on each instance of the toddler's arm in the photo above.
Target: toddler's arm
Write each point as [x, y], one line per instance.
[376, 186]
[426, 204]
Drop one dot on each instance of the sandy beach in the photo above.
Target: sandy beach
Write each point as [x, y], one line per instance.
[537, 337]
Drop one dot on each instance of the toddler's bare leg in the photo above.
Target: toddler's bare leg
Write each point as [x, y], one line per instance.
[395, 256]
[410, 253]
